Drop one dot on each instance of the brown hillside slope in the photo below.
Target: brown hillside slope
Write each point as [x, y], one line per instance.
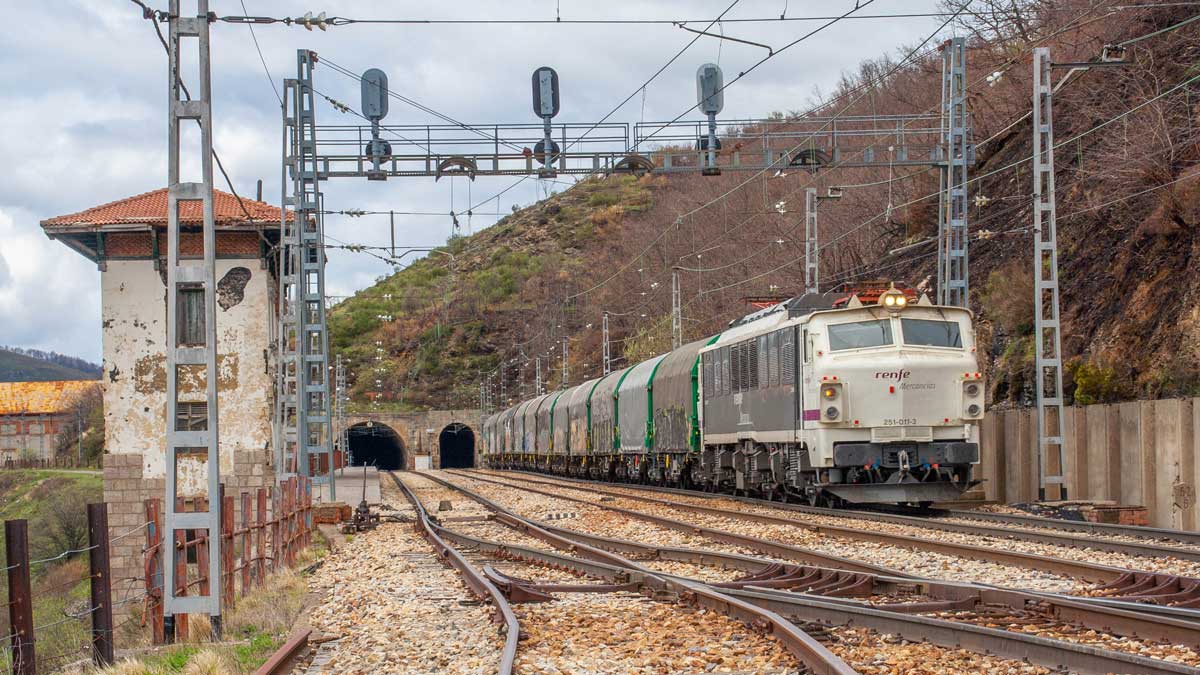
[1127, 208]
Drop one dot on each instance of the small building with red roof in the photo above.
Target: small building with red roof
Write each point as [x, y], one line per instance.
[127, 239]
[34, 415]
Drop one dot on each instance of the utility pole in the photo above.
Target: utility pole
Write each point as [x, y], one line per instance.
[607, 353]
[191, 284]
[537, 388]
[676, 312]
[953, 277]
[1047, 342]
[811, 252]
[565, 373]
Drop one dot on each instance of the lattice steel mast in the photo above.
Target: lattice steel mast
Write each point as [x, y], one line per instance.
[1047, 341]
[953, 277]
[304, 361]
[189, 350]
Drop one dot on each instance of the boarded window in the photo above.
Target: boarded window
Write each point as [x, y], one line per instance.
[189, 315]
[787, 358]
[191, 416]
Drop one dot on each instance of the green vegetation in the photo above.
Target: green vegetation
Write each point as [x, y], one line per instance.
[21, 368]
[425, 332]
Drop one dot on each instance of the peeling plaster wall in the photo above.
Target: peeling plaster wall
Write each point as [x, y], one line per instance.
[135, 378]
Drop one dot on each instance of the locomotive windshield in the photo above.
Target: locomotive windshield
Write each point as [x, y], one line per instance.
[860, 334]
[931, 333]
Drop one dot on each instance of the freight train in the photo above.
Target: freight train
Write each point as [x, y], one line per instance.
[869, 395]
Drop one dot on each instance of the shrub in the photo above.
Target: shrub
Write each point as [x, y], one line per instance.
[1095, 382]
[1008, 297]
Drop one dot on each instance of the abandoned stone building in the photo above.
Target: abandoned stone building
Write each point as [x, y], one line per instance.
[34, 416]
[127, 241]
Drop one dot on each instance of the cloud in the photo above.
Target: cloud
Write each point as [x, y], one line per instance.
[85, 113]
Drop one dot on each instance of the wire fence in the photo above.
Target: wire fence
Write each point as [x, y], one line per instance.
[53, 614]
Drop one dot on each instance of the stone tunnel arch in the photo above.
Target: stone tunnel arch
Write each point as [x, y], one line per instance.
[375, 444]
[456, 447]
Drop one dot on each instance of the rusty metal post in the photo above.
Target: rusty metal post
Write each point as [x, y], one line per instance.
[289, 527]
[276, 527]
[153, 569]
[179, 567]
[20, 597]
[101, 584]
[260, 521]
[246, 549]
[227, 542]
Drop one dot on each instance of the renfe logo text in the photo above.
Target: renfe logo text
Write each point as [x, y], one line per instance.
[893, 374]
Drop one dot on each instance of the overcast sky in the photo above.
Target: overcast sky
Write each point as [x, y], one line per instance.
[83, 110]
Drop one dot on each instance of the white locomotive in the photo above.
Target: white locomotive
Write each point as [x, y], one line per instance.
[869, 395]
[875, 401]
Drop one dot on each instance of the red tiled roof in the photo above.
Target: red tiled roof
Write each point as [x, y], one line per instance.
[41, 398]
[150, 208]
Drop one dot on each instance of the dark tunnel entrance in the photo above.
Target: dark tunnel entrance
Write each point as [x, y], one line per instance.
[457, 445]
[374, 444]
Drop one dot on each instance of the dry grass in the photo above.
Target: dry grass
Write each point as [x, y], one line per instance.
[271, 609]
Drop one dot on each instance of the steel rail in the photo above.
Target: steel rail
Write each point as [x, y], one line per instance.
[896, 620]
[475, 580]
[933, 522]
[1072, 568]
[1142, 531]
[284, 658]
[764, 546]
[1120, 617]
[815, 656]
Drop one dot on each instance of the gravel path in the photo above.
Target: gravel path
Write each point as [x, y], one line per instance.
[393, 607]
[921, 563]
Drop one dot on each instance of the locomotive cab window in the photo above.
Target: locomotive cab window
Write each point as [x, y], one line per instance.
[931, 333]
[860, 335]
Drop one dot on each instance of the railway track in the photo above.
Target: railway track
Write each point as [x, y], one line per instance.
[821, 599]
[1168, 588]
[1123, 539]
[815, 658]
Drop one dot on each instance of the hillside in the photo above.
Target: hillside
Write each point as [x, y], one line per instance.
[16, 367]
[1127, 202]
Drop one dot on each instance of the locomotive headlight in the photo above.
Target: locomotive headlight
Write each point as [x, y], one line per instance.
[973, 410]
[829, 392]
[831, 412]
[893, 299]
[972, 389]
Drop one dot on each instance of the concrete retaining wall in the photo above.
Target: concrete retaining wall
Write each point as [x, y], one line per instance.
[1139, 453]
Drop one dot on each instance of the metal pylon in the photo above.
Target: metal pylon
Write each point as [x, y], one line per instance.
[953, 277]
[188, 283]
[1047, 342]
[812, 282]
[304, 361]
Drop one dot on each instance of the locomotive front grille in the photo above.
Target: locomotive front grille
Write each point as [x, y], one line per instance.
[893, 434]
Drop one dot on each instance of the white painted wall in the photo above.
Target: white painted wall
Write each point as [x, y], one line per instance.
[134, 315]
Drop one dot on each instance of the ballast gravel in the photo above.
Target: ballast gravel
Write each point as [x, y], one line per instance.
[391, 606]
[916, 562]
